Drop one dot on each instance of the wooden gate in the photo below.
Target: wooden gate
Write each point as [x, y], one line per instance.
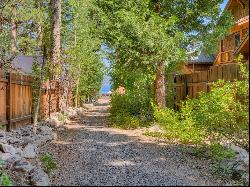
[15, 100]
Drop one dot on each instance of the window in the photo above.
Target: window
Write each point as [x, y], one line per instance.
[237, 39]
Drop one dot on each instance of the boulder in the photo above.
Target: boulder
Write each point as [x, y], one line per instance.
[27, 140]
[13, 159]
[13, 140]
[29, 151]
[245, 178]
[23, 165]
[6, 148]
[54, 122]
[156, 128]
[41, 139]
[39, 177]
[72, 113]
[2, 134]
[19, 151]
[45, 130]
[5, 156]
[240, 163]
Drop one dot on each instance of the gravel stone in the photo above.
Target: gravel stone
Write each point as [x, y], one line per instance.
[90, 153]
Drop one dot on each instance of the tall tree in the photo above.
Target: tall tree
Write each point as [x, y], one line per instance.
[56, 31]
[156, 33]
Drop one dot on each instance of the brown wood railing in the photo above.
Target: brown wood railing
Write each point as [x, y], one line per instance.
[224, 57]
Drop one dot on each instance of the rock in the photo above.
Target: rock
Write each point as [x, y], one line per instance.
[5, 156]
[45, 130]
[3, 140]
[39, 178]
[242, 153]
[7, 148]
[19, 151]
[72, 113]
[54, 122]
[12, 140]
[61, 129]
[29, 151]
[24, 166]
[27, 140]
[245, 178]
[242, 158]
[2, 134]
[14, 159]
[156, 128]
[40, 139]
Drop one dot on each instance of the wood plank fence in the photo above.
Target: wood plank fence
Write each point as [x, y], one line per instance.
[192, 84]
[16, 100]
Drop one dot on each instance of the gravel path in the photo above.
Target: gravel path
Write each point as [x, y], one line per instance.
[90, 153]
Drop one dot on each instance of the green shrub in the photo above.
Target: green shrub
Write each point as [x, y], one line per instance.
[48, 163]
[222, 113]
[220, 152]
[175, 127]
[62, 117]
[5, 180]
[4, 177]
[130, 111]
[126, 122]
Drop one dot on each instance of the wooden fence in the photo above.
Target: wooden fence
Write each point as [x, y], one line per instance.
[191, 84]
[16, 100]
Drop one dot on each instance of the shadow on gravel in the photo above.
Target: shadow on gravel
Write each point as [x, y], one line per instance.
[91, 156]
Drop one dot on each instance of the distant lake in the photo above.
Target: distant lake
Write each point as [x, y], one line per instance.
[105, 88]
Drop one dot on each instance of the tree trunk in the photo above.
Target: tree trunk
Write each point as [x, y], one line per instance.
[77, 90]
[56, 29]
[160, 85]
[39, 94]
[39, 47]
[56, 53]
[13, 31]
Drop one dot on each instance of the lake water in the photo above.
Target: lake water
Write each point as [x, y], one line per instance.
[105, 88]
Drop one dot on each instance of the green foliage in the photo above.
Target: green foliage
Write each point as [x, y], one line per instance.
[48, 163]
[4, 177]
[137, 35]
[130, 110]
[220, 152]
[86, 69]
[62, 117]
[182, 129]
[5, 180]
[221, 113]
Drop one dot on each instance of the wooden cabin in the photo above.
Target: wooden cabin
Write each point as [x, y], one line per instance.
[198, 63]
[237, 41]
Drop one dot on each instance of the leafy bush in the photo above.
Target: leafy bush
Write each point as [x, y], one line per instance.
[48, 163]
[4, 177]
[62, 117]
[130, 110]
[219, 114]
[182, 129]
[223, 112]
[5, 180]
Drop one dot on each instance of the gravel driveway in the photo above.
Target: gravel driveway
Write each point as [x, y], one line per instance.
[90, 153]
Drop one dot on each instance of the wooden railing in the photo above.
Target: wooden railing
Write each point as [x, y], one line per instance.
[224, 57]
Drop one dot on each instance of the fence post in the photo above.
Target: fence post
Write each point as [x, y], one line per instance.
[185, 86]
[8, 104]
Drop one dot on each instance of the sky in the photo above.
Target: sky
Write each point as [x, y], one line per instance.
[106, 85]
[223, 4]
